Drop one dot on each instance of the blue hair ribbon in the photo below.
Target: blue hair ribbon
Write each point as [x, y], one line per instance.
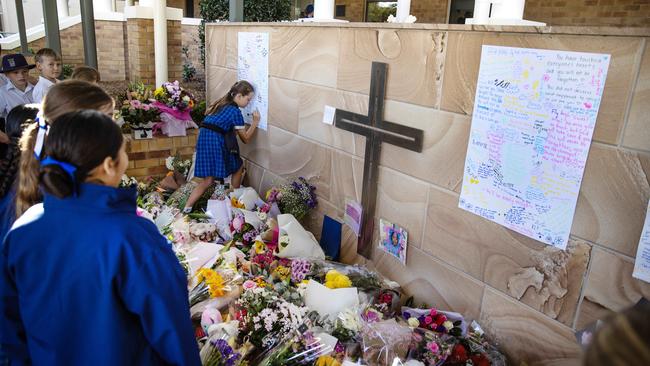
[40, 137]
[67, 167]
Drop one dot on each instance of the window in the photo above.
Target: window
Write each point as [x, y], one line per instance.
[340, 11]
[378, 11]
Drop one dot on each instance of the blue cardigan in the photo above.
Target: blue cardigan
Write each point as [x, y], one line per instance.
[89, 282]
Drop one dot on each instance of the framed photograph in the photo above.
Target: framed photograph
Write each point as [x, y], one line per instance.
[393, 240]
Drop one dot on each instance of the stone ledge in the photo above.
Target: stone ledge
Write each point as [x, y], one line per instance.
[586, 30]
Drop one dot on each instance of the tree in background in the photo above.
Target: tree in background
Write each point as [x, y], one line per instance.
[254, 11]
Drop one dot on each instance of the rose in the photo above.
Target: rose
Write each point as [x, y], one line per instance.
[480, 360]
[413, 322]
[458, 354]
[433, 347]
[428, 320]
[249, 284]
[386, 298]
[448, 325]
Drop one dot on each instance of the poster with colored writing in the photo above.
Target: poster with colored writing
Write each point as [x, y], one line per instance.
[534, 116]
[253, 66]
[642, 261]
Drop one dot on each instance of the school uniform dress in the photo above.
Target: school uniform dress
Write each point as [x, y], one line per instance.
[41, 88]
[212, 157]
[10, 96]
[7, 211]
[88, 282]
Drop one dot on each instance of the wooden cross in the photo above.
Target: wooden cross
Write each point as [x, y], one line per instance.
[376, 131]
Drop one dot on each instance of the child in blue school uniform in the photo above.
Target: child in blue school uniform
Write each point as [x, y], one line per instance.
[217, 152]
[17, 121]
[88, 282]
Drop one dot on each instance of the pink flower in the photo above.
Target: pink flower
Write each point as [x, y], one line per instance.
[428, 320]
[433, 312]
[249, 284]
[433, 347]
[136, 103]
[237, 223]
[146, 107]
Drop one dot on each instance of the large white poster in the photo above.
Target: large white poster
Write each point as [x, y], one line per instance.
[534, 116]
[253, 66]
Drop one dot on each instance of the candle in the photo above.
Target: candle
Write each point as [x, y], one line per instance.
[403, 10]
[324, 9]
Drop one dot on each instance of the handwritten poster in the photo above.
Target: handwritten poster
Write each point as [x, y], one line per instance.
[642, 262]
[253, 66]
[534, 116]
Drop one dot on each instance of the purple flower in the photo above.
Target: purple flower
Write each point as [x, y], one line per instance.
[340, 348]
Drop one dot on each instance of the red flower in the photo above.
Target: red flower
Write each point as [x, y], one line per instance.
[199, 333]
[480, 360]
[458, 354]
[439, 319]
[386, 298]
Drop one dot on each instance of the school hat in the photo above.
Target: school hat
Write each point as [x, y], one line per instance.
[14, 62]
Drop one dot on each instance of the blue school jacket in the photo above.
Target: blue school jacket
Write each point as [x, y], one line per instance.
[89, 282]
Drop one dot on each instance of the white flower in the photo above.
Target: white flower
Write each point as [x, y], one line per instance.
[414, 322]
[186, 99]
[449, 325]
[350, 320]
[169, 163]
[262, 215]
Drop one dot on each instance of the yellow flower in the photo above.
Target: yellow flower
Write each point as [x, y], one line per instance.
[260, 282]
[159, 92]
[327, 361]
[213, 280]
[334, 279]
[259, 247]
[236, 203]
[282, 272]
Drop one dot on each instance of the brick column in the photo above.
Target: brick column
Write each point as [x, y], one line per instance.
[140, 49]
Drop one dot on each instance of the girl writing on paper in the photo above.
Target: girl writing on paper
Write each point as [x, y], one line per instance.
[217, 151]
[89, 282]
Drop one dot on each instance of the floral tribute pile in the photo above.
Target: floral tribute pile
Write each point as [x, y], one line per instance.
[262, 291]
[166, 109]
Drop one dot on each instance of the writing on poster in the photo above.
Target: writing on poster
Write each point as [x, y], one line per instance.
[534, 116]
[642, 262]
[253, 66]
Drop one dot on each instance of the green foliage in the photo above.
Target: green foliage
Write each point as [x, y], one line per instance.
[189, 71]
[254, 11]
[198, 112]
[378, 13]
[66, 71]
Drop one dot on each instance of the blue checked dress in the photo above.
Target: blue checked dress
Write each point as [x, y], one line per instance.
[212, 157]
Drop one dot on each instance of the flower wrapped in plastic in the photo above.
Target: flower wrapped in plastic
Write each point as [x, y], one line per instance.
[296, 198]
[297, 348]
[385, 341]
[475, 349]
[210, 284]
[446, 322]
[265, 317]
[175, 105]
[430, 348]
[218, 352]
[295, 241]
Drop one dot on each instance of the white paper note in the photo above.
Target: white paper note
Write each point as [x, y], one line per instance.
[642, 262]
[330, 302]
[534, 116]
[328, 115]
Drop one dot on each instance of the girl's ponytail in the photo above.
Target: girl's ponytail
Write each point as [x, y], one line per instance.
[28, 193]
[63, 97]
[56, 181]
[242, 87]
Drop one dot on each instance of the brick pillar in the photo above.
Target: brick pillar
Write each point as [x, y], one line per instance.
[141, 52]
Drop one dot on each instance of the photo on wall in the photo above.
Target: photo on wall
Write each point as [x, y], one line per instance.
[393, 240]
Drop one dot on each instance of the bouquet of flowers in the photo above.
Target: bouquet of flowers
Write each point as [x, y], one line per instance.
[175, 104]
[136, 110]
[178, 165]
[243, 233]
[210, 284]
[218, 352]
[430, 348]
[296, 198]
[265, 316]
[127, 181]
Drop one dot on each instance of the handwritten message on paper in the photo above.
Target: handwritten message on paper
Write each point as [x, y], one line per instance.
[642, 262]
[534, 116]
[253, 66]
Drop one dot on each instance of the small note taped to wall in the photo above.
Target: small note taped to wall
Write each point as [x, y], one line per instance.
[328, 115]
[642, 263]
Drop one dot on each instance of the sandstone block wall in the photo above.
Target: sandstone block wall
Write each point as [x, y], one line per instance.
[529, 296]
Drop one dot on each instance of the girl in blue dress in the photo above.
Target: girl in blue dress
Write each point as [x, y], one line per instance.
[87, 281]
[217, 153]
